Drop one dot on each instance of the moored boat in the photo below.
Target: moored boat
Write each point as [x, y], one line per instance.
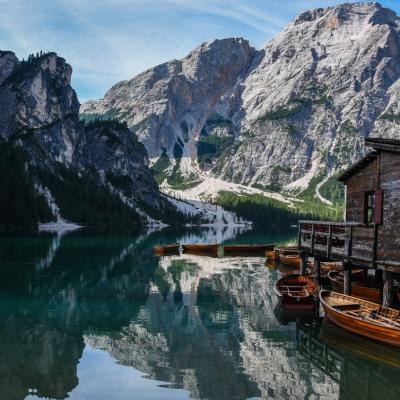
[367, 290]
[273, 254]
[201, 248]
[362, 317]
[326, 267]
[291, 259]
[166, 249]
[296, 291]
[240, 249]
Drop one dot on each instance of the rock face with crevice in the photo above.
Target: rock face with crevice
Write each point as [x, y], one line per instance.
[299, 108]
[39, 121]
[170, 103]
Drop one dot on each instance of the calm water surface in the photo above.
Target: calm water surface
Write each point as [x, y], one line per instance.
[90, 317]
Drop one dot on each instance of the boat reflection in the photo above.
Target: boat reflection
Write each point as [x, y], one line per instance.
[362, 368]
[286, 316]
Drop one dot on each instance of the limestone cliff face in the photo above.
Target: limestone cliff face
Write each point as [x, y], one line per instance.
[170, 103]
[39, 116]
[313, 93]
[297, 109]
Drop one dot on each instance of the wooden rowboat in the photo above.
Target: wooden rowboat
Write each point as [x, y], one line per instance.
[292, 260]
[273, 254]
[365, 290]
[201, 248]
[326, 267]
[248, 249]
[362, 317]
[166, 249]
[296, 292]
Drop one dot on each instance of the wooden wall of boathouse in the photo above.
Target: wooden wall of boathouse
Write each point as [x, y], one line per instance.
[364, 180]
[388, 236]
[376, 242]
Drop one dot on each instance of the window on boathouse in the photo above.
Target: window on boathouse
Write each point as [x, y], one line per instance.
[373, 207]
[369, 208]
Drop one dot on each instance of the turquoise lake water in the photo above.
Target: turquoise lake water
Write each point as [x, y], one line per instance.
[99, 317]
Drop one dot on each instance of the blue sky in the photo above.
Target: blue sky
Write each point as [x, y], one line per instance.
[106, 41]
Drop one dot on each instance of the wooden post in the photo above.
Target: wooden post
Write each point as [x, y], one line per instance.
[303, 263]
[378, 275]
[387, 297]
[299, 236]
[329, 244]
[347, 278]
[312, 238]
[317, 268]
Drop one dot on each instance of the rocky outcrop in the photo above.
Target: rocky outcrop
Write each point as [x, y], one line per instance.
[7, 63]
[38, 102]
[39, 119]
[295, 110]
[121, 160]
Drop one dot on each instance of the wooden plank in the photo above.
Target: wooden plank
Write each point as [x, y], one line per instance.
[378, 206]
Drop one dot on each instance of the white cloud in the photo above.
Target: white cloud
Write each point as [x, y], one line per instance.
[109, 40]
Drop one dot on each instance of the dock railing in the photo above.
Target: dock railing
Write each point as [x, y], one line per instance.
[338, 241]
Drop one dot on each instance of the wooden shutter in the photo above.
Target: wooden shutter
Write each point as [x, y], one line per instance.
[378, 206]
[364, 210]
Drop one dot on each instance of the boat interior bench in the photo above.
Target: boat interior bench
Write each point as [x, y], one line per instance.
[347, 307]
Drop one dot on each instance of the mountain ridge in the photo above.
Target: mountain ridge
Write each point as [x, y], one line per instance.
[58, 168]
[294, 114]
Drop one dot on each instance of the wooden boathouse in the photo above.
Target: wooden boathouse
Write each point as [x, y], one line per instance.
[370, 236]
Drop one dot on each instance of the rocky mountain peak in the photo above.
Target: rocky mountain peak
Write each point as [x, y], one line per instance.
[372, 12]
[286, 117]
[39, 94]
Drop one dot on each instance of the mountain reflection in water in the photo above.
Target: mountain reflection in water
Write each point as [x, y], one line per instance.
[85, 317]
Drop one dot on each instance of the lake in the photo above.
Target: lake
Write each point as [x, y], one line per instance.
[84, 316]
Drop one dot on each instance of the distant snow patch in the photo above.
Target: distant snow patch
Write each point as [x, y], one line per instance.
[61, 225]
[209, 189]
[319, 195]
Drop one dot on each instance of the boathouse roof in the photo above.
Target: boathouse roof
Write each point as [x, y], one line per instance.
[377, 144]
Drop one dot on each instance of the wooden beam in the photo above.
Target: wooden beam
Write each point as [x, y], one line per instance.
[347, 278]
[317, 268]
[299, 235]
[312, 238]
[303, 263]
[387, 297]
[329, 244]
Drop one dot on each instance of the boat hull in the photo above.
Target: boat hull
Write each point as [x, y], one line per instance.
[358, 289]
[248, 249]
[296, 292]
[375, 351]
[201, 249]
[355, 325]
[291, 260]
[167, 249]
[271, 254]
